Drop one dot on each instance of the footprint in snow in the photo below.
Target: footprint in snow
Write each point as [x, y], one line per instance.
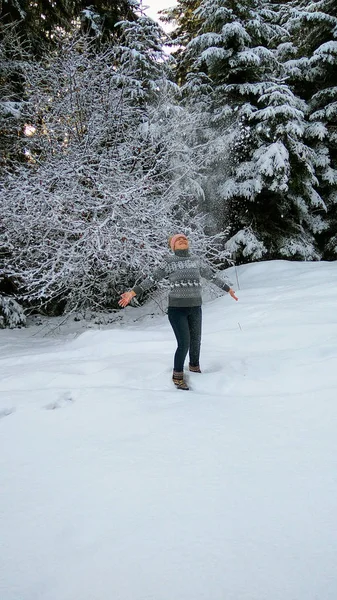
[63, 400]
[5, 412]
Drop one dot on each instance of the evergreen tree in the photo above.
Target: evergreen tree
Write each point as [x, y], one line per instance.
[39, 21]
[186, 26]
[141, 59]
[264, 184]
[13, 63]
[312, 68]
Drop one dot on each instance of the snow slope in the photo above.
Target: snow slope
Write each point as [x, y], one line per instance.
[115, 486]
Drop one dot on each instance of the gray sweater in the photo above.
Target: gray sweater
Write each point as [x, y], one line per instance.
[183, 271]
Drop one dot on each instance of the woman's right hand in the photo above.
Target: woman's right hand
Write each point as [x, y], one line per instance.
[232, 293]
[126, 298]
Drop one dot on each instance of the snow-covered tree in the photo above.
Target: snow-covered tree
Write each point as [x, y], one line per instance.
[11, 313]
[278, 175]
[311, 65]
[106, 183]
[40, 22]
[185, 26]
[141, 59]
[263, 184]
[13, 63]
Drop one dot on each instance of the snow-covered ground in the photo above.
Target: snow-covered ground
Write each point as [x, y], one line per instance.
[115, 486]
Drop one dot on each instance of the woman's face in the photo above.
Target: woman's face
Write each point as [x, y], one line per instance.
[181, 244]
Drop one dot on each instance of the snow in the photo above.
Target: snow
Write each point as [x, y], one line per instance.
[316, 130]
[212, 54]
[114, 485]
[273, 159]
[94, 20]
[247, 57]
[327, 51]
[12, 109]
[235, 30]
[204, 40]
[246, 239]
[11, 313]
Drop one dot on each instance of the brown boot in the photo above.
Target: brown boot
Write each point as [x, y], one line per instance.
[194, 369]
[178, 380]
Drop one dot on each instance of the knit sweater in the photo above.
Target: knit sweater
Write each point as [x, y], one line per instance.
[183, 271]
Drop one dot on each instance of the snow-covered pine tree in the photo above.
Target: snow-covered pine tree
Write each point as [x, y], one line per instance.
[40, 23]
[13, 62]
[11, 313]
[182, 16]
[142, 61]
[311, 66]
[263, 186]
[99, 20]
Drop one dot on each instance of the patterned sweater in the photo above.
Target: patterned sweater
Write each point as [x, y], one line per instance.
[183, 271]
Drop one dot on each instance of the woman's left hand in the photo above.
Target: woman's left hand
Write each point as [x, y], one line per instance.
[232, 293]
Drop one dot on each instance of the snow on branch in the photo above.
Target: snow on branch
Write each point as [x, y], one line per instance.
[11, 313]
[203, 41]
[237, 31]
[246, 243]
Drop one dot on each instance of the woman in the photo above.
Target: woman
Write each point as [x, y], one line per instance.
[184, 312]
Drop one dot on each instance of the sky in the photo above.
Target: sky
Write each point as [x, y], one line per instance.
[154, 6]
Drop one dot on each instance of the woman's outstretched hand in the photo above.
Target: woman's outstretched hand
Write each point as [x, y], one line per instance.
[232, 293]
[126, 298]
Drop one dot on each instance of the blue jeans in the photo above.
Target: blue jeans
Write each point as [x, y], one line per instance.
[186, 324]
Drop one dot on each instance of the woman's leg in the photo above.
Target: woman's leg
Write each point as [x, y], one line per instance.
[194, 323]
[179, 322]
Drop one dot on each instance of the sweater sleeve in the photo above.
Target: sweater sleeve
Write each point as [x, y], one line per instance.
[151, 280]
[207, 273]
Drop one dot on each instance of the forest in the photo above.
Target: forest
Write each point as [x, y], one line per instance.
[115, 135]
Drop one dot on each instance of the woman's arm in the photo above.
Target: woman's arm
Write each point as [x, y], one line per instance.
[207, 273]
[149, 282]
